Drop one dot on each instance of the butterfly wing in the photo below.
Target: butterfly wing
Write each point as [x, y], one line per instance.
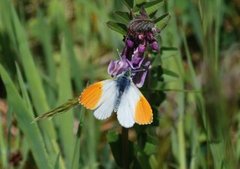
[90, 97]
[100, 97]
[134, 108]
[143, 111]
[107, 102]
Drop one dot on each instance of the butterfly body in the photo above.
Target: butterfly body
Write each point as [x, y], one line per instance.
[123, 83]
[118, 95]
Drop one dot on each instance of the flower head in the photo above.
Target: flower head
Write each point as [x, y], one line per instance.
[139, 39]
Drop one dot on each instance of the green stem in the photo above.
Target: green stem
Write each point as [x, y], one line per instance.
[125, 161]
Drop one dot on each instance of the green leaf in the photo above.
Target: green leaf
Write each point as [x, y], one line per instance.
[152, 4]
[152, 15]
[160, 18]
[162, 21]
[124, 17]
[150, 148]
[150, 7]
[170, 73]
[129, 3]
[118, 27]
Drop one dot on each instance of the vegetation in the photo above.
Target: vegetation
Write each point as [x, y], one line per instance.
[50, 50]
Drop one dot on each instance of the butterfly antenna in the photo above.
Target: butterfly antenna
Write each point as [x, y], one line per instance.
[62, 108]
[139, 70]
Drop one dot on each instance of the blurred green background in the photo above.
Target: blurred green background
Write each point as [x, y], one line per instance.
[50, 50]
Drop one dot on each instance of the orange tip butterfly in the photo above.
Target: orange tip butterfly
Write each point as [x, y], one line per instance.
[118, 95]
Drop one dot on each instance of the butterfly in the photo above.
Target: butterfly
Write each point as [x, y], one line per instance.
[119, 95]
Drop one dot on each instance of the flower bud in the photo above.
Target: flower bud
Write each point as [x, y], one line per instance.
[155, 46]
[130, 43]
[141, 36]
[141, 48]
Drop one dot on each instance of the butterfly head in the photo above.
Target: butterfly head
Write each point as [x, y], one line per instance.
[127, 73]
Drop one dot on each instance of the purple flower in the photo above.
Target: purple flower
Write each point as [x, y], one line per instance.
[139, 39]
[139, 77]
[141, 48]
[129, 43]
[117, 67]
[155, 46]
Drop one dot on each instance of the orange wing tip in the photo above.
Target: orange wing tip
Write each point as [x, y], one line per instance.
[146, 122]
[143, 112]
[90, 96]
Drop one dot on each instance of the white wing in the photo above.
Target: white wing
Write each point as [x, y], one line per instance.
[127, 106]
[106, 104]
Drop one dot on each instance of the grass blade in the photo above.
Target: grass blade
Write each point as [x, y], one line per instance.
[3, 145]
[24, 116]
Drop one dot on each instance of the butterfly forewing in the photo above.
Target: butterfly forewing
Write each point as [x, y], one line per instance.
[91, 96]
[107, 101]
[100, 97]
[143, 111]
